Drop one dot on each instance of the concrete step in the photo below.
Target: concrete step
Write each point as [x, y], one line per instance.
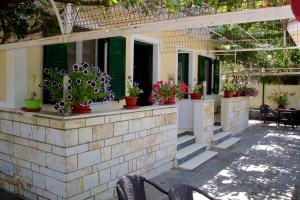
[217, 129]
[197, 160]
[221, 137]
[217, 123]
[189, 152]
[183, 132]
[227, 143]
[185, 141]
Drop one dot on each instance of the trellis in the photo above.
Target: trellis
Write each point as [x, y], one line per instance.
[80, 19]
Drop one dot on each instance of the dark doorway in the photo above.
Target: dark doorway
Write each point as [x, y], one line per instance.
[143, 69]
[205, 72]
[208, 70]
[183, 67]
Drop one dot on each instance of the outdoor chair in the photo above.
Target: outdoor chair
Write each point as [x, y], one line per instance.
[185, 192]
[297, 118]
[268, 113]
[132, 188]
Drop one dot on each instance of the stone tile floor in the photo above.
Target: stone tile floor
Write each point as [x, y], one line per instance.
[265, 164]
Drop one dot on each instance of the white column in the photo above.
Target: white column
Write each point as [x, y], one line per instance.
[16, 82]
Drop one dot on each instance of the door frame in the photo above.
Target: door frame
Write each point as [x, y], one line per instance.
[156, 55]
[191, 69]
[211, 56]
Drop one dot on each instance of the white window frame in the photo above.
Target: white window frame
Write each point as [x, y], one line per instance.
[191, 70]
[156, 55]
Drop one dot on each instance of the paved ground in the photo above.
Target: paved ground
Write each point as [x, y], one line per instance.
[265, 164]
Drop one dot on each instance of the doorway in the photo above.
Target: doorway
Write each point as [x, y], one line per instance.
[143, 70]
[183, 67]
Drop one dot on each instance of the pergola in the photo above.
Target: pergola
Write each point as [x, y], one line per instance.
[205, 23]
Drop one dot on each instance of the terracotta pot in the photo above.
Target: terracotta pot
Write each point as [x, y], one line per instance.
[237, 94]
[296, 8]
[227, 94]
[79, 109]
[170, 101]
[131, 101]
[281, 107]
[195, 96]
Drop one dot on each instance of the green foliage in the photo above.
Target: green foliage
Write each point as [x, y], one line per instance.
[279, 97]
[196, 89]
[133, 89]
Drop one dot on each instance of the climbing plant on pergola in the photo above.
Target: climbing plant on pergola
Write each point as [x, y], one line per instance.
[33, 19]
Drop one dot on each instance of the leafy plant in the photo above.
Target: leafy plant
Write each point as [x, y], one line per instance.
[196, 89]
[228, 86]
[133, 89]
[279, 97]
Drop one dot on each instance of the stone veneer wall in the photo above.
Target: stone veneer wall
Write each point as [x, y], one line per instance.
[46, 157]
[204, 121]
[234, 114]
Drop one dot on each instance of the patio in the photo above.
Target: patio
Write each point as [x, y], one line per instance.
[264, 164]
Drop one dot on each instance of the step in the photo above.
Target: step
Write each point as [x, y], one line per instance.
[198, 160]
[227, 143]
[185, 141]
[183, 132]
[217, 123]
[189, 152]
[217, 129]
[221, 137]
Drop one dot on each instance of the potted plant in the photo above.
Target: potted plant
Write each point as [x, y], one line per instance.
[249, 91]
[165, 93]
[85, 85]
[228, 89]
[236, 90]
[32, 104]
[134, 91]
[280, 98]
[196, 91]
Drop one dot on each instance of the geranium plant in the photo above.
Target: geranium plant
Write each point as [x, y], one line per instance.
[228, 88]
[84, 85]
[165, 93]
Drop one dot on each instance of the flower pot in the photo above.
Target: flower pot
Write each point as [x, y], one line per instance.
[237, 94]
[170, 101]
[32, 103]
[281, 106]
[131, 101]
[80, 109]
[195, 96]
[227, 94]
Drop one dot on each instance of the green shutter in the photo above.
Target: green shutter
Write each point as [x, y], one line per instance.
[216, 76]
[116, 65]
[183, 67]
[201, 69]
[56, 56]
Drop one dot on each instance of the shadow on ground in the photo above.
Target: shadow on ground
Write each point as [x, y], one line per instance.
[265, 164]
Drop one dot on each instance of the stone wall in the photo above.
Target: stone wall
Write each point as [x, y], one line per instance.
[197, 116]
[234, 114]
[46, 157]
[204, 121]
